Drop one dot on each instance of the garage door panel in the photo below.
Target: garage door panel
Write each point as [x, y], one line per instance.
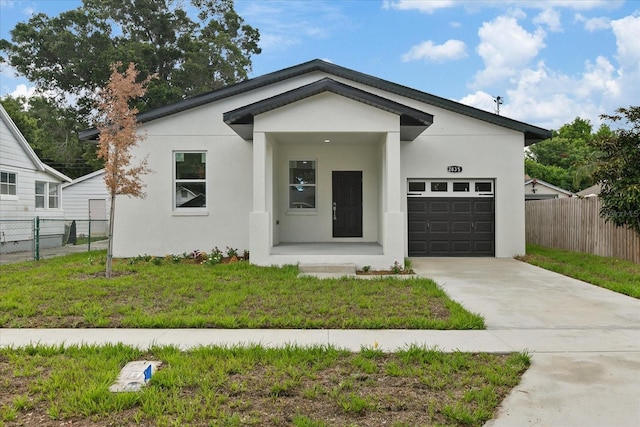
[458, 226]
[438, 227]
[461, 227]
[484, 226]
[438, 207]
[461, 206]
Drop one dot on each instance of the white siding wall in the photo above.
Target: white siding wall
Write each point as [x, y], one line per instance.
[14, 159]
[76, 196]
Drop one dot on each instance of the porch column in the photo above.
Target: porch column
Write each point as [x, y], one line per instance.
[394, 231]
[259, 222]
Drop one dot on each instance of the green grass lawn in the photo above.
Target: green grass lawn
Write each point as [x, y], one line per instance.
[255, 386]
[146, 292]
[610, 273]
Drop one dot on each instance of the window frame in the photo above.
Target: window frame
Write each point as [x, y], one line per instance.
[188, 210]
[8, 184]
[46, 195]
[314, 185]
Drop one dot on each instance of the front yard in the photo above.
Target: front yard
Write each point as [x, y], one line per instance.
[240, 386]
[305, 387]
[71, 292]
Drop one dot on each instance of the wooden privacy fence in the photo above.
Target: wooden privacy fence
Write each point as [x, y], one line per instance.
[575, 224]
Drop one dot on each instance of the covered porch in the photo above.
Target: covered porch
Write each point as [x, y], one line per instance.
[304, 144]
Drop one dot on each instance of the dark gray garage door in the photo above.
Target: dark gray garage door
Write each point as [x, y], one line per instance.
[451, 226]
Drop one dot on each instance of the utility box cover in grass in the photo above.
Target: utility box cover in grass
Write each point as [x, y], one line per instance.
[134, 376]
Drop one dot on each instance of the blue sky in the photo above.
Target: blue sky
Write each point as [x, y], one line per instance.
[550, 60]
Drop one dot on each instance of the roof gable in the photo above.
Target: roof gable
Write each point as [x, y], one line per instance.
[37, 163]
[412, 122]
[531, 133]
[535, 181]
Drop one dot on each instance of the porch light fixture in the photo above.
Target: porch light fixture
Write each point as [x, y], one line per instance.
[326, 141]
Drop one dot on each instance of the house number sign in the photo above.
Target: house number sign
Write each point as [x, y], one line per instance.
[454, 169]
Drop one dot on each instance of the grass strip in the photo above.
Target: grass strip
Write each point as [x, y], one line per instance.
[251, 386]
[71, 292]
[611, 273]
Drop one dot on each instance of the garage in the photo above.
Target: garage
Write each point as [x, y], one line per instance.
[451, 218]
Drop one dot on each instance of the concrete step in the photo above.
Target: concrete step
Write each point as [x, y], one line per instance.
[327, 270]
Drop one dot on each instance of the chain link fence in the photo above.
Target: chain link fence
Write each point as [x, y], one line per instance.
[34, 239]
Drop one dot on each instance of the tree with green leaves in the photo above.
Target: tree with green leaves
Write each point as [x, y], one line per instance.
[617, 169]
[559, 160]
[118, 129]
[191, 50]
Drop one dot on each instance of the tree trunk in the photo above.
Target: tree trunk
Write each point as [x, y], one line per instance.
[110, 239]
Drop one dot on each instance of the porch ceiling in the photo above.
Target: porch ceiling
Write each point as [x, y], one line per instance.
[412, 121]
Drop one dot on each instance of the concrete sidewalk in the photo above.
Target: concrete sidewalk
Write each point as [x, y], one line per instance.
[584, 341]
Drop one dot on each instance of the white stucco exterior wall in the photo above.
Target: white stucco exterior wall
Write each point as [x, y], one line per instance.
[153, 226]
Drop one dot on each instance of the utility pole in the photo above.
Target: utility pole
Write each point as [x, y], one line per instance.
[498, 101]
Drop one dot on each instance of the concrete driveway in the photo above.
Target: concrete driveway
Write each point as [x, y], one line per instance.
[584, 340]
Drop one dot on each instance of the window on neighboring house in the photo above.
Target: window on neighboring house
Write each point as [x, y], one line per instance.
[302, 184]
[40, 194]
[8, 184]
[54, 192]
[190, 177]
[47, 195]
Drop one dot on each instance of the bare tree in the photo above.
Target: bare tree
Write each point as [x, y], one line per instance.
[118, 135]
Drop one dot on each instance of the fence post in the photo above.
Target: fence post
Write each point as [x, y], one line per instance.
[37, 238]
[89, 247]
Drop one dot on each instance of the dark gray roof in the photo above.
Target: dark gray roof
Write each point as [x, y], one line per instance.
[412, 122]
[532, 133]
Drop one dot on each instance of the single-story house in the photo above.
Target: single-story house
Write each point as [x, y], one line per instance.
[28, 189]
[318, 163]
[87, 201]
[537, 189]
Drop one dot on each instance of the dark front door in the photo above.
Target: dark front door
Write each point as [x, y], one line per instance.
[347, 203]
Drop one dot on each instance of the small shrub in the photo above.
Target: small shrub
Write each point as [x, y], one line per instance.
[215, 257]
[366, 268]
[396, 268]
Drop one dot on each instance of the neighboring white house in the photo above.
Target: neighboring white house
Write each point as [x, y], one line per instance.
[86, 198]
[537, 189]
[319, 163]
[28, 189]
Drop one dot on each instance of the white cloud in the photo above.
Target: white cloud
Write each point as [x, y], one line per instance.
[550, 18]
[627, 32]
[24, 91]
[593, 24]
[284, 24]
[431, 6]
[449, 51]
[424, 6]
[505, 47]
[481, 100]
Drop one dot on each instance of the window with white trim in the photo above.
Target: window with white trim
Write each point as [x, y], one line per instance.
[47, 195]
[8, 184]
[302, 184]
[190, 178]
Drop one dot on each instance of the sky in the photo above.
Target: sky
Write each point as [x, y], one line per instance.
[549, 61]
